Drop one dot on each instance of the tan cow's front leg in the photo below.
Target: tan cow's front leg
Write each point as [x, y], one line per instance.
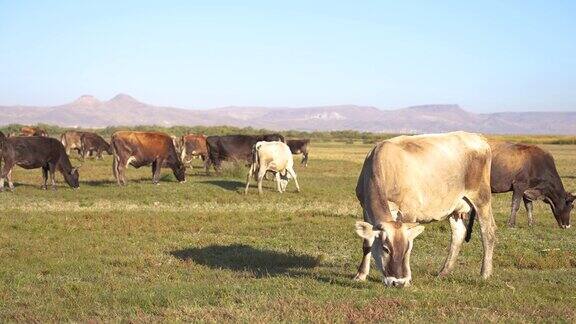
[248, 177]
[458, 235]
[261, 173]
[278, 184]
[364, 267]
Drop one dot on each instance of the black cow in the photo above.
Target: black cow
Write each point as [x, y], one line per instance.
[92, 142]
[299, 146]
[235, 147]
[36, 152]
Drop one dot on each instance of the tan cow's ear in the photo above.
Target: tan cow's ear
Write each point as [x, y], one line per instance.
[533, 194]
[415, 231]
[366, 231]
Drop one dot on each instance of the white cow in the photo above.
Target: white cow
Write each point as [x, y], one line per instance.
[275, 157]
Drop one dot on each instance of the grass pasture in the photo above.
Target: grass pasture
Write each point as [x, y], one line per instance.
[203, 251]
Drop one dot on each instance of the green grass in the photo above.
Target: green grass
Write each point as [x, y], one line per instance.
[203, 251]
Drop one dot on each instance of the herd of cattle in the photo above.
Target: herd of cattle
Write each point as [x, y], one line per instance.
[404, 181]
[32, 148]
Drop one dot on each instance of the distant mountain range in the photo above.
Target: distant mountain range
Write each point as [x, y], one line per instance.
[88, 111]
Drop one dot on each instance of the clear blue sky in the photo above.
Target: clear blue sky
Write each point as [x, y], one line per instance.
[483, 55]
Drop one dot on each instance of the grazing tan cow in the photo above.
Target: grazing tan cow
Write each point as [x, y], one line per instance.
[272, 156]
[72, 141]
[144, 148]
[427, 178]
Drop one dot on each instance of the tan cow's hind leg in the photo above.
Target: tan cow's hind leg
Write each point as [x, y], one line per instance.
[293, 174]
[248, 177]
[487, 231]
[458, 235]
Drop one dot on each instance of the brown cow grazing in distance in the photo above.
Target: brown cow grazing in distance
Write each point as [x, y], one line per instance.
[426, 178]
[144, 148]
[32, 131]
[37, 152]
[193, 145]
[299, 146]
[92, 142]
[530, 173]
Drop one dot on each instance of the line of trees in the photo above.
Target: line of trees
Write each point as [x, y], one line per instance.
[325, 136]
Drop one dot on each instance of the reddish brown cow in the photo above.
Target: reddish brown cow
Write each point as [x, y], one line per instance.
[193, 145]
[32, 131]
[144, 148]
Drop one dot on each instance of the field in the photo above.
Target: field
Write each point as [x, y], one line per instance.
[203, 251]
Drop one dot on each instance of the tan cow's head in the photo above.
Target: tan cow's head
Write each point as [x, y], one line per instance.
[396, 240]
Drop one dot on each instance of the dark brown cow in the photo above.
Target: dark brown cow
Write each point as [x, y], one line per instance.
[144, 148]
[193, 145]
[530, 173]
[299, 146]
[2, 140]
[92, 142]
[36, 152]
[235, 147]
[32, 131]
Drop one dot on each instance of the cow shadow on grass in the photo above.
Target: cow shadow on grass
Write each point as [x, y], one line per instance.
[231, 185]
[109, 182]
[240, 257]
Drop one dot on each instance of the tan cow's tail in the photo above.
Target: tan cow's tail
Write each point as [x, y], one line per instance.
[255, 166]
[470, 221]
